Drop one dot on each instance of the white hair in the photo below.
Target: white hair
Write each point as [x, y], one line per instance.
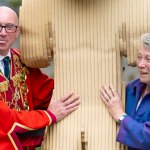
[145, 41]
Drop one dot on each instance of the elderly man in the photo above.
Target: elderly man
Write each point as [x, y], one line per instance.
[25, 94]
[135, 120]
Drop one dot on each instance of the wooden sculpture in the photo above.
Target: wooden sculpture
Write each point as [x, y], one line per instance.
[87, 39]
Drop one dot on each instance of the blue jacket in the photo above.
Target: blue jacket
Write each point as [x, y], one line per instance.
[135, 128]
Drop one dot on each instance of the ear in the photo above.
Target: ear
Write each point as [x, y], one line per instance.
[17, 32]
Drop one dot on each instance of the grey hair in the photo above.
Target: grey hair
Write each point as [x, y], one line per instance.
[145, 41]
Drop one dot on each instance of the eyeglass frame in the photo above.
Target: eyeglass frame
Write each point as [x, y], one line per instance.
[5, 27]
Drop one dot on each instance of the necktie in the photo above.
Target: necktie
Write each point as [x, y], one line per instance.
[6, 67]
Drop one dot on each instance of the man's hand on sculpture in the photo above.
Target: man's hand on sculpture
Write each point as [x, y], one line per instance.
[112, 101]
[64, 106]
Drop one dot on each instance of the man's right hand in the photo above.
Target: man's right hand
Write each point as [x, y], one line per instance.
[64, 106]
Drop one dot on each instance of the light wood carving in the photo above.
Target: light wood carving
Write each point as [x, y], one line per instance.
[87, 39]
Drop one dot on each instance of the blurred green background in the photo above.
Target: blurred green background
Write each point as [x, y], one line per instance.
[14, 4]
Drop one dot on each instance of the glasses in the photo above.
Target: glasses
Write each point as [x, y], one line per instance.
[9, 28]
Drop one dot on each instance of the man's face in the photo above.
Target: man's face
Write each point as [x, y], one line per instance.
[7, 39]
[143, 64]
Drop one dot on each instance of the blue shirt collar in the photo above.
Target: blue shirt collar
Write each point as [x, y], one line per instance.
[138, 88]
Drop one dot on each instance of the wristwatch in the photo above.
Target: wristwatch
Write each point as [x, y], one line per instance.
[121, 118]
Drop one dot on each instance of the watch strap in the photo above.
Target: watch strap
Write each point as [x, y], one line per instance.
[121, 118]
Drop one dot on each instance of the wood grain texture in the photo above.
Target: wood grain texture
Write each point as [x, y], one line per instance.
[87, 39]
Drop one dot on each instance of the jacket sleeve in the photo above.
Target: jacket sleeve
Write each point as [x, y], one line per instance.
[138, 138]
[15, 123]
[40, 89]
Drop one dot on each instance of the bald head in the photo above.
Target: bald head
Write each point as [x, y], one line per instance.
[8, 22]
[8, 13]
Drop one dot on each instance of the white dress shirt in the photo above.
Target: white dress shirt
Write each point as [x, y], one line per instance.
[1, 62]
[139, 102]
